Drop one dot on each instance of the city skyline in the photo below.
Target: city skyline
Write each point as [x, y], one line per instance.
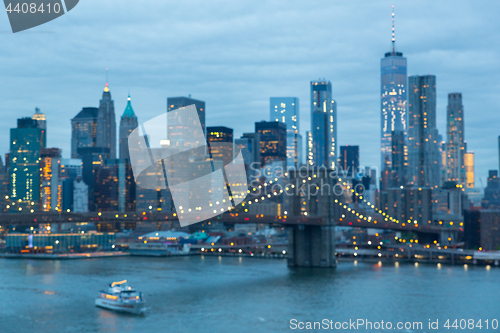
[358, 111]
[287, 151]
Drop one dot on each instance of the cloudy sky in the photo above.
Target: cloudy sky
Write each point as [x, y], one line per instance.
[236, 54]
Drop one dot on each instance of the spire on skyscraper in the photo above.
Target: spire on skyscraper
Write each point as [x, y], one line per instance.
[393, 35]
[129, 111]
[106, 88]
[128, 123]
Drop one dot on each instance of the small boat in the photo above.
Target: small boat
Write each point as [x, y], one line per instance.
[120, 297]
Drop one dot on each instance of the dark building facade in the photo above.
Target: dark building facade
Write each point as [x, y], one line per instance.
[220, 143]
[272, 141]
[249, 144]
[399, 159]
[491, 199]
[91, 158]
[112, 187]
[71, 169]
[423, 136]
[84, 130]
[410, 204]
[482, 229]
[349, 160]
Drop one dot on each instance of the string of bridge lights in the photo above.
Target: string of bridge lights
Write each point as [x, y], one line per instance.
[385, 216]
[349, 210]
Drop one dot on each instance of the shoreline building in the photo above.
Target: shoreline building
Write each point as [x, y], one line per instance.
[393, 103]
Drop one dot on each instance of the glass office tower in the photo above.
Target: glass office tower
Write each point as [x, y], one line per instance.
[286, 110]
[323, 125]
[423, 169]
[393, 101]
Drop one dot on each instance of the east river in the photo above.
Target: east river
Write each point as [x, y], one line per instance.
[231, 294]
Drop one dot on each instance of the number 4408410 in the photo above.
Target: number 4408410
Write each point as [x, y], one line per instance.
[471, 324]
[33, 8]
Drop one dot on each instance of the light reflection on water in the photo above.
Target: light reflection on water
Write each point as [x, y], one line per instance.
[229, 294]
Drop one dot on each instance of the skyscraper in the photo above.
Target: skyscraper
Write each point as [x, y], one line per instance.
[84, 145]
[113, 186]
[4, 186]
[455, 145]
[84, 130]
[272, 141]
[42, 124]
[423, 139]
[286, 110]
[398, 160]
[469, 169]
[309, 149]
[224, 136]
[106, 124]
[71, 169]
[349, 160]
[24, 168]
[323, 125]
[128, 123]
[51, 186]
[499, 153]
[249, 144]
[393, 100]
[174, 103]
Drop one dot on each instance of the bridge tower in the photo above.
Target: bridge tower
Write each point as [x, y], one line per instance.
[313, 244]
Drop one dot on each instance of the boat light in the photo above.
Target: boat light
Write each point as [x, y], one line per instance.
[117, 283]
